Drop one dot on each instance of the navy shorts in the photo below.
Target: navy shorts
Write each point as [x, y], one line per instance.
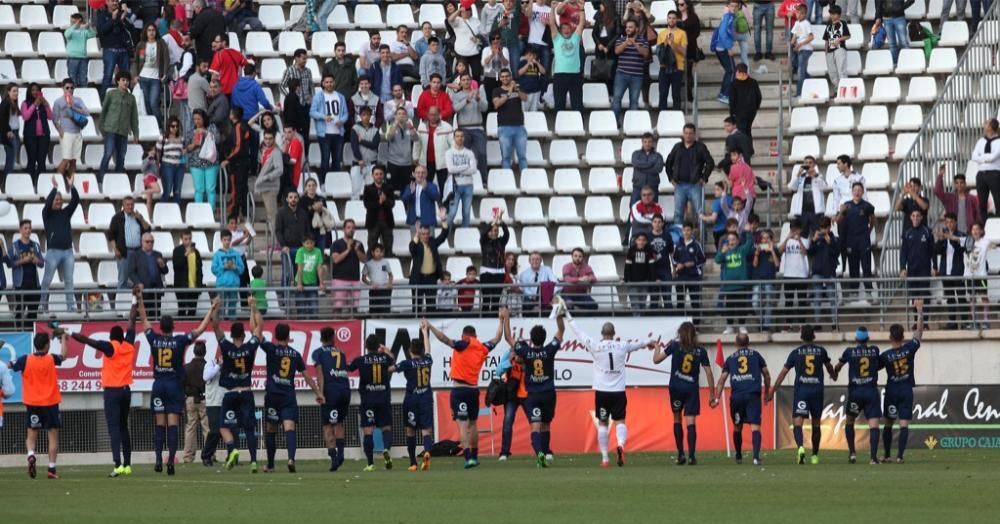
[898, 403]
[239, 411]
[167, 397]
[610, 404]
[688, 400]
[43, 417]
[745, 408]
[541, 406]
[280, 407]
[464, 403]
[376, 412]
[863, 400]
[335, 408]
[418, 410]
[807, 404]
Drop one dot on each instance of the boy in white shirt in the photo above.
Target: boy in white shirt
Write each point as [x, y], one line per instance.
[802, 38]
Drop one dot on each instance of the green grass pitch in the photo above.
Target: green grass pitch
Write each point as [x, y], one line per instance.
[933, 486]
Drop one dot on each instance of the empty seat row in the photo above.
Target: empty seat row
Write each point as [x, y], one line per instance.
[840, 119]
[874, 146]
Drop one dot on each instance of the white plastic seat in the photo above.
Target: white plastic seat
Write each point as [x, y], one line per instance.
[7, 20]
[368, 16]
[433, 13]
[670, 123]
[51, 44]
[163, 242]
[10, 222]
[200, 215]
[874, 118]
[534, 154]
[568, 182]
[488, 207]
[605, 268]
[603, 123]
[857, 38]
[61, 14]
[904, 141]
[456, 266]
[116, 186]
[399, 14]
[637, 122]
[354, 40]
[595, 96]
[86, 185]
[815, 91]
[878, 62]
[535, 182]
[908, 117]
[911, 62]
[917, 11]
[569, 124]
[943, 60]
[837, 145]
[876, 175]
[34, 18]
[20, 187]
[851, 91]
[954, 34]
[528, 210]
[600, 152]
[33, 212]
[323, 43]
[7, 69]
[886, 90]
[804, 120]
[569, 238]
[598, 210]
[272, 16]
[874, 146]
[467, 240]
[149, 129]
[107, 273]
[34, 70]
[803, 146]
[562, 210]
[603, 180]
[921, 89]
[607, 239]
[817, 62]
[854, 63]
[536, 238]
[338, 184]
[880, 201]
[289, 42]
[94, 245]
[562, 152]
[258, 43]
[839, 119]
[536, 125]
[355, 210]
[502, 182]
[99, 214]
[340, 19]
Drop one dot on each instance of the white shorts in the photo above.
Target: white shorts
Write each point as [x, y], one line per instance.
[72, 146]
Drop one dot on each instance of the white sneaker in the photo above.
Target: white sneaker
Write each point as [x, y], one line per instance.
[728, 331]
[503, 458]
[549, 457]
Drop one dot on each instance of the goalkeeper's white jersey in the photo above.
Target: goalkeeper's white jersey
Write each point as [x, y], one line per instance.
[609, 360]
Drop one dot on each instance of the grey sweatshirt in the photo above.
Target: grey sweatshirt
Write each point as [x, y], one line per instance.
[461, 165]
[399, 145]
[468, 112]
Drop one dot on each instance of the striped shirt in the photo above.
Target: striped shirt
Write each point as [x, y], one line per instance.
[630, 62]
[170, 150]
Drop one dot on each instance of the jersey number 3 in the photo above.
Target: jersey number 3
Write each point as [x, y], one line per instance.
[744, 364]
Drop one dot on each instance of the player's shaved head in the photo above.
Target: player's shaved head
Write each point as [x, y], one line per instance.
[538, 336]
[742, 340]
[326, 336]
[116, 334]
[167, 324]
[237, 331]
[469, 331]
[281, 332]
[896, 333]
[608, 330]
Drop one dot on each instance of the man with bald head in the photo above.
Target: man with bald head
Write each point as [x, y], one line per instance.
[145, 268]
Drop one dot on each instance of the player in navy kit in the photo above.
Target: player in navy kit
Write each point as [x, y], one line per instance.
[540, 382]
[862, 363]
[418, 404]
[745, 368]
[808, 360]
[375, 369]
[685, 368]
[332, 380]
[898, 403]
[280, 405]
[238, 406]
[167, 399]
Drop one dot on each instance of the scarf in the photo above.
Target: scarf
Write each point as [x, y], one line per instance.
[176, 35]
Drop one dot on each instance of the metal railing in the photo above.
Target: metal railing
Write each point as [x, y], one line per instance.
[950, 129]
[771, 305]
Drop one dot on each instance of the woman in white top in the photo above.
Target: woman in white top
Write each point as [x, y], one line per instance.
[10, 129]
[976, 248]
[495, 58]
[467, 42]
[151, 66]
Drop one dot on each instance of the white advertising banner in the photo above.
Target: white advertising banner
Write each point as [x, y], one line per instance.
[573, 362]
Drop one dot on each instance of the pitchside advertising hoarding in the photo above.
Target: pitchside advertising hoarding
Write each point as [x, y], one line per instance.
[944, 417]
[12, 346]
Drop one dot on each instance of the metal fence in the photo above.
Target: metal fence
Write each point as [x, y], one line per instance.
[950, 130]
[756, 305]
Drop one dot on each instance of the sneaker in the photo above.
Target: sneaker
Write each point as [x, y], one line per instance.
[158, 467]
[503, 458]
[387, 458]
[728, 331]
[470, 463]
[853, 459]
[604, 463]
[413, 467]
[692, 461]
[127, 470]
[540, 460]
[757, 57]
[885, 460]
[756, 462]
[550, 457]
[874, 462]
[234, 455]
[768, 56]
[369, 468]
[117, 472]
[426, 463]
[681, 460]
[743, 330]
[253, 467]
[52, 474]
[170, 469]
[31, 466]
[802, 455]
[899, 460]
[620, 451]
[291, 466]
[723, 99]
[814, 460]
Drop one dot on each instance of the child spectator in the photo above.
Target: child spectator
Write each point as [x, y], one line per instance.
[531, 79]
[447, 295]
[258, 283]
[734, 259]
[377, 275]
[322, 223]
[718, 217]
[640, 263]
[467, 290]
[765, 269]
[150, 176]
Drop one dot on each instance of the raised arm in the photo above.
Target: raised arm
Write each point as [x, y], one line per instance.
[560, 325]
[919, 332]
[196, 332]
[507, 333]
[504, 318]
[220, 335]
[441, 336]
[660, 356]
[588, 342]
[141, 306]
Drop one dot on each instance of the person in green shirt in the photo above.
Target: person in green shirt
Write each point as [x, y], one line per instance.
[734, 259]
[76, 36]
[119, 115]
[258, 284]
[309, 264]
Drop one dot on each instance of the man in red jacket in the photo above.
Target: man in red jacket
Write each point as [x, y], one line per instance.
[435, 96]
[226, 63]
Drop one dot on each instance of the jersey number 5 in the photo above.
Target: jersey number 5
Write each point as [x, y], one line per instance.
[810, 365]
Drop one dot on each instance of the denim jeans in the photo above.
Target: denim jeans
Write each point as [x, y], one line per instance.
[205, 183]
[60, 260]
[77, 70]
[977, 6]
[308, 302]
[763, 14]
[151, 89]
[729, 71]
[671, 83]
[331, 153]
[475, 139]
[684, 193]
[114, 144]
[323, 15]
[800, 63]
[513, 139]
[824, 292]
[509, 414]
[172, 176]
[895, 29]
[765, 297]
[515, 59]
[461, 194]
[11, 152]
[743, 39]
[632, 83]
[230, 303]
[113, 58]
[814, 11]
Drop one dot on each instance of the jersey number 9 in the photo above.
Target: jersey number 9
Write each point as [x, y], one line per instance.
[285, 368]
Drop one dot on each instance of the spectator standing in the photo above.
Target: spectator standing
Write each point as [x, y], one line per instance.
[801, 48]
[239, 15]
[426, 268]
[531, 79]
[308, 275]
[213, 409]
[470, 105]
[810, 190]
[717, 217]
[855, 224]
[835, 38]
[639, 272]
[722, 41]
[765, 270]
[10, 129]
[343, 68]
[329, 112]
[115, 37]
[24, 259]
[227, 266]
[852, 10]
[383, 74]
[125, 234]
[238, 163]
[662, 242]
[495, 59]
[538, 284]
[70, 133]
[291, 225]
[399, 140]
[734, 260]
[508, 24]
[379, 200]
[987, 155]
[632, 50]
[150, 68]
[744, 101]
[399, 101]
[435, 96]
[421, 199]
[489, 15]
[76, 36]
[643, 211]
[227, 63]
[671, 49]
[795, 252]
[492, 249]
[913, 200]
[691, 25]
[195, 414]
[269, 177]
[186, 260]
[365, 139]
[119, 116]
[508, 100]
[294, 154]
[467, 37]
[36, 112]
[461, 165]
[377, 275]
[845, 179]
[369, 53]
[145, 268]
[916, 259]
[346, 257]
[737, 140]
[824, 250]
[57, 217]
[249, 96]
[963, 205]
[763, 19]
[197, 92]
[893, 15]
[578, 277]
[742, 182]
[741, 32]
[202, 149]
[432, 141]
[567, 59]
[976, 248]
[688, 166]
[949, 249]
[432, 62]
[647, 164]
[689, 260]
[170, 149]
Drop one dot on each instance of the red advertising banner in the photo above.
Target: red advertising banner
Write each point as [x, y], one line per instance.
[81, 371]
[649, 420]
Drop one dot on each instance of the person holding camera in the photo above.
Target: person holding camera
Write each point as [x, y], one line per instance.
[508, 100]
[809, 202]
[195, 410]
[824, 249]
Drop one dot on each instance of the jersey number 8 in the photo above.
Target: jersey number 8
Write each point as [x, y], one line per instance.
[539, 367]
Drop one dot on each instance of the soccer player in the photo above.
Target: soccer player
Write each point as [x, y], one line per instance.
[375, 369]
[238, 406]
[466, 364]
[116, 379]
[808, 360]
[688, 359]
[280, 405]
[331, 378]
[418, 404]
[609, 383]
[540, 381]
[41, 398]
[898, 403]
[168, 379]
[744, 368]
[862, 391]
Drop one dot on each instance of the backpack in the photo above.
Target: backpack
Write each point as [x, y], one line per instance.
[446, 448]
[496, 393]
[915, 31]
[667, 58]
[741, 25]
